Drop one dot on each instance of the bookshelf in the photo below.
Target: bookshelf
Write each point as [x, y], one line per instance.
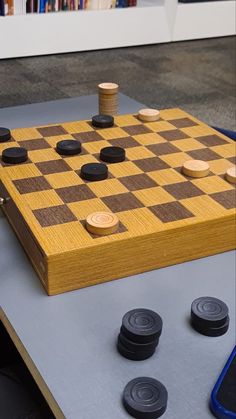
[150, 22]
[204, 20]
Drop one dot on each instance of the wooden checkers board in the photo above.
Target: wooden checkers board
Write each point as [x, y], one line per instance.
[165, 217]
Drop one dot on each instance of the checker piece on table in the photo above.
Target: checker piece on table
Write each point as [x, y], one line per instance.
[165, 216]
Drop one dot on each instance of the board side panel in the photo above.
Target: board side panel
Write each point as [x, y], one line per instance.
[91, 266]
[31, 247]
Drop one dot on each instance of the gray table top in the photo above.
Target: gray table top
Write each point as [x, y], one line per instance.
[71, 337]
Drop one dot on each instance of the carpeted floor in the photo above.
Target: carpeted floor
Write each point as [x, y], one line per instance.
[198, 76]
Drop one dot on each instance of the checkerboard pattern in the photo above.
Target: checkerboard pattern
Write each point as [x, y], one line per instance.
[147, 191]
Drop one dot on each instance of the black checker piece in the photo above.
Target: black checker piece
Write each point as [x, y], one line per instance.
[145, 398]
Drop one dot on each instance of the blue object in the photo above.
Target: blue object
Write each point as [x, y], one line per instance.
[227, 132]
[217, 409]
[42, 6]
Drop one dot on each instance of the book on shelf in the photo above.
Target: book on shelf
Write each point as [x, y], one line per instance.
[6, 7]
[21, 7]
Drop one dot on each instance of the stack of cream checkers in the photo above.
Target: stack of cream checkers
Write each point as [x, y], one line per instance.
[108, 98]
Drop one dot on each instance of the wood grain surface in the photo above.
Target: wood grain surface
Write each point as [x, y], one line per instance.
[166, 216]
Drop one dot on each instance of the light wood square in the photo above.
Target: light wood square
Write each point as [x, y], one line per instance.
[22, 171]
[212, 184]
[52, 141]
[137, 153]
[174, 113]
[160, 126]
[139, 221]
[198, 131]
[126, 168]
[153, 196]
[77, 127]
[25, 134]
[148, 139]
[66, 237]
[42, 199]
[95, 146]
[126, 120]
[76, 162]
[8, 144]
[175, 159]
[219, 166]
[64, 179]
[166, 176]
[107, 187]
[203, 206]
[83, 208]
[188, 144]
[43, 155]
[226, 150]
[112, 133]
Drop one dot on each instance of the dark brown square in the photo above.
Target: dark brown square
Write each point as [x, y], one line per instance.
[122, 202]
[3, 164]
[151, 164]
[87, 137]
[183, 123]
[232, 159]
[126, 142]
[32, 184]
[51, 131]
[36, 144]
[136, 129]
[183, 190]
[204, 154]
[227, 198]
[163, 148]
[51, 216]
[75, 193]
[173, 134]
[53, 166]
[136, 182]
[172, 211]
[211, 140]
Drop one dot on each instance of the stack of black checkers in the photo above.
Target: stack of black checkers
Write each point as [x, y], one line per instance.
[210, 316]
[145, 398]
[139, 334]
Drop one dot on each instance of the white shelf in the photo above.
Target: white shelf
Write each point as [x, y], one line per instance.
[151, 22]
[38, 34]
[204, 20]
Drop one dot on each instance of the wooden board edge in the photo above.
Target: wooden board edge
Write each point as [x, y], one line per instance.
[31, 367]
[26, 238]
[211, 237]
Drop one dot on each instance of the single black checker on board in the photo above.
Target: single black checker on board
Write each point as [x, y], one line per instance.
[112, 154]
[14, 155]
[142, 325]
[209, 312]
[68, 147]
[5, 134]
[94, 171]
[211, 331]
[145, 398]
[103, 121]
